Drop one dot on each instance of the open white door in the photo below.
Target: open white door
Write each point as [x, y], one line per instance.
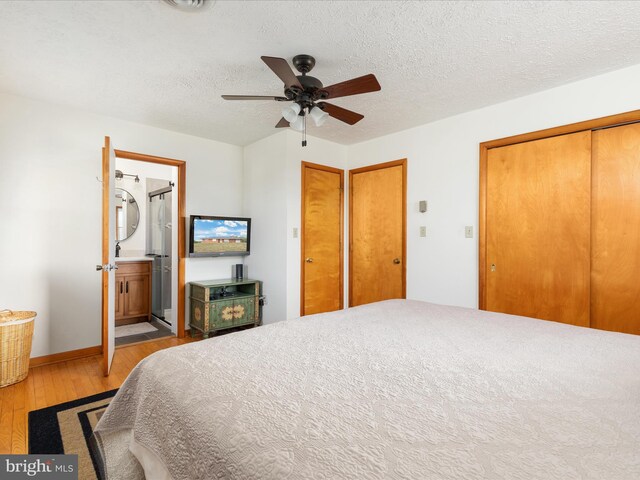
[108, 265]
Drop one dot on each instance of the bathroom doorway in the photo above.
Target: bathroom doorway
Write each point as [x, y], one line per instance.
[146, 280]
[150, 289]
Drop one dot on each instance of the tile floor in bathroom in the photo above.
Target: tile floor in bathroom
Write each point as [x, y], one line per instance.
[163, 331]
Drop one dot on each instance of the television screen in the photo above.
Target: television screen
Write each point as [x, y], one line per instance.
[217, 236]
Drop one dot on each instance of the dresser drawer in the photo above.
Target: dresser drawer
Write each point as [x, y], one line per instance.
[125, 268]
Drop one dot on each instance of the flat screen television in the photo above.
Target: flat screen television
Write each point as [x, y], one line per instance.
[219, 236]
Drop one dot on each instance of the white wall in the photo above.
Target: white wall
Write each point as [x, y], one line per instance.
[272, 199]
[265, 201]
[48, 247]
[443, 169]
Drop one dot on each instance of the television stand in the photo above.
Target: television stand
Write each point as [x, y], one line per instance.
[221, 304]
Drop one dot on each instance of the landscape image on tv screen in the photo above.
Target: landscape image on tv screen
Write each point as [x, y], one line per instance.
[218, 236]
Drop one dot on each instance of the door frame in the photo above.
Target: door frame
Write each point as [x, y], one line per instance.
[182, 195]
[317, 166]
[106, 205]
[593, 124]
[379, 166]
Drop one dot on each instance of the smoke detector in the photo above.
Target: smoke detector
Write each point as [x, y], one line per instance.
[188, 5]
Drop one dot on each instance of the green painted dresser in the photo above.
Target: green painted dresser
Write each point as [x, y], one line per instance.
[220, 304]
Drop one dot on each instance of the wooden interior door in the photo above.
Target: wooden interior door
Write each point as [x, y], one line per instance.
[615, 268]
[377, 232]
[538, 197]
[108, 256]
[322, 239]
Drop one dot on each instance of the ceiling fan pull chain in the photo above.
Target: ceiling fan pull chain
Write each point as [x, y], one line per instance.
[304, 131]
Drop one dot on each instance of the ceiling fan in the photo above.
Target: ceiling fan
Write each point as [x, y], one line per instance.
[307, 92]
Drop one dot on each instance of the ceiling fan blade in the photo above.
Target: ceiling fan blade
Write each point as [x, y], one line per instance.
[282, 69]
[254, 97]
[355, 86]
[282, 123]
[347, 116]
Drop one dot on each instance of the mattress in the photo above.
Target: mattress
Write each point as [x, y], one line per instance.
[394, 390]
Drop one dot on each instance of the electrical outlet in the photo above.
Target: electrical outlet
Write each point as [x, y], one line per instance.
[423, 231]
[295, 232]
[468, 231]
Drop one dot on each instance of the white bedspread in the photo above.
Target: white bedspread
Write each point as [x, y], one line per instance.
[394, 390]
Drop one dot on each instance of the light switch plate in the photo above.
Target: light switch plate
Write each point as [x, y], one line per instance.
[295, 232]
[423, 231]
[422, 206]
[468, 231]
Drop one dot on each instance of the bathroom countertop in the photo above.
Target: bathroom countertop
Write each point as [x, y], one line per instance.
[133, 259]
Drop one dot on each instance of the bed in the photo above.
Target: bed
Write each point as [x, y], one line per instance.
[394, 390]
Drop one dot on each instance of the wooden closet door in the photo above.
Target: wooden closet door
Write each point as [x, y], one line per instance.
[322, 248]
[615, 276]
[377, 233]
[538, 229]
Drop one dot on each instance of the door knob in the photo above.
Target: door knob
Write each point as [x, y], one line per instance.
[309, 260]
[396, 261]
[107, 267]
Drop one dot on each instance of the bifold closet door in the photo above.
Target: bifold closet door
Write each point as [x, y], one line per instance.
[615, 276]
[538, 219]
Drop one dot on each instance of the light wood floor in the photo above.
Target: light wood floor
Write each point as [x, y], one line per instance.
[61, 382]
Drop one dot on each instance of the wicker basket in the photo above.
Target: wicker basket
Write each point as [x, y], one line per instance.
[16, 332]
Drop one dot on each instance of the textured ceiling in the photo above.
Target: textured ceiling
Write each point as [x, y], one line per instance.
[150, 63]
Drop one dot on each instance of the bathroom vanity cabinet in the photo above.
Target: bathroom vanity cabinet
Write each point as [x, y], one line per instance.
[133, 292]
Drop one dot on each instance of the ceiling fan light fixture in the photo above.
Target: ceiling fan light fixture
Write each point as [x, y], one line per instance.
[298, 123]
[319, 116]
[290, 113]
[304, 91]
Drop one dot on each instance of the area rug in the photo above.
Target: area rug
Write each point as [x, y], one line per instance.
[67, 428]
[134, 329]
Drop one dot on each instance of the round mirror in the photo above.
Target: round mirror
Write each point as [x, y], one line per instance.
[127, 214]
